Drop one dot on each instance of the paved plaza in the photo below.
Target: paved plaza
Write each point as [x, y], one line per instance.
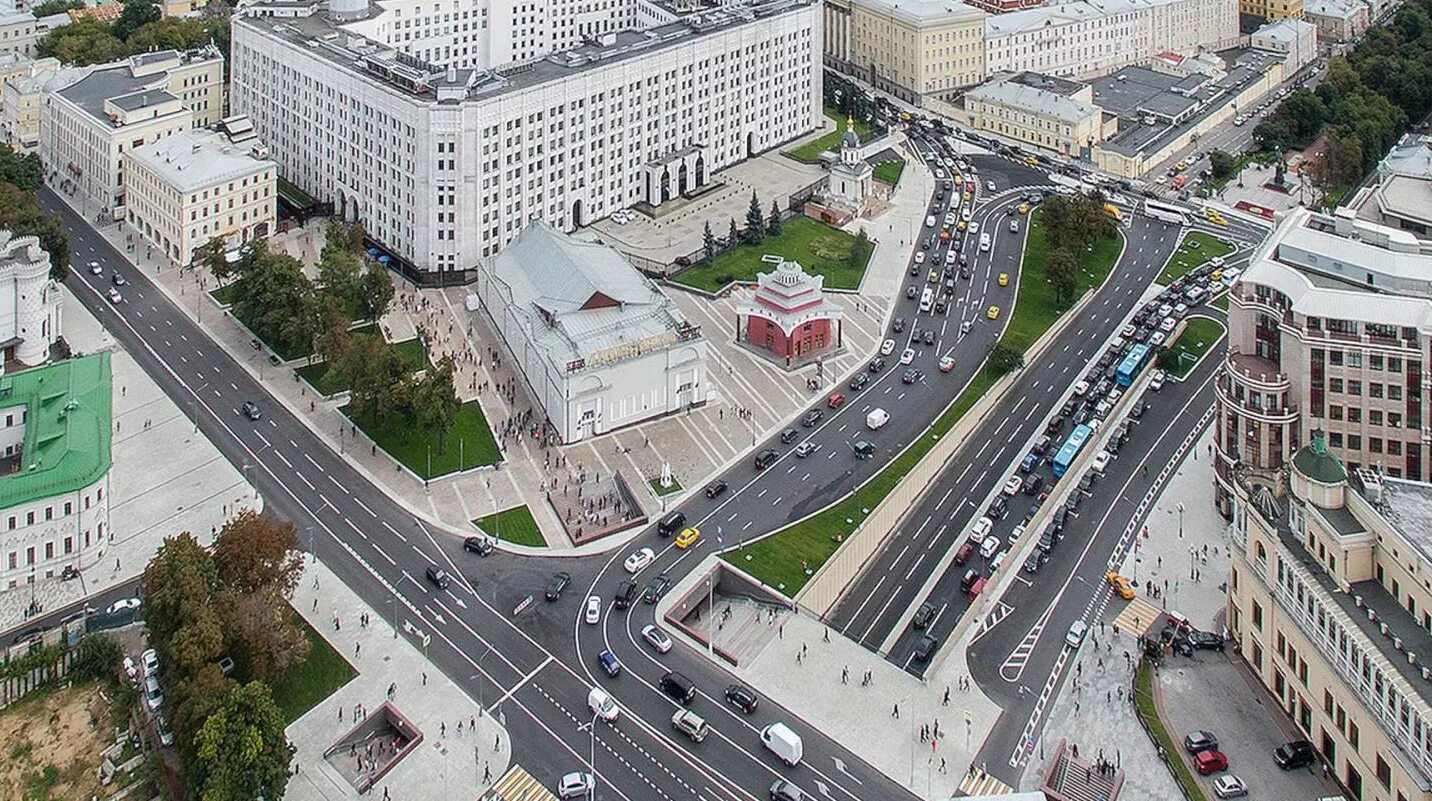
[167, 478]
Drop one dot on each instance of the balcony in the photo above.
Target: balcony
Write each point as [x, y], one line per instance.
[1255, 372]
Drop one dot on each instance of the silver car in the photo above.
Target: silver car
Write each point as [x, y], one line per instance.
[656, 638]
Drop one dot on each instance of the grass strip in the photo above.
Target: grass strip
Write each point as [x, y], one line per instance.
[316, 678]
[1148, 713]
[820, 249]
[515, 525]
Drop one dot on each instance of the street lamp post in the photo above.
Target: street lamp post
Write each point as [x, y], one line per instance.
[1180, 520]
[478, 678]
[592, 754]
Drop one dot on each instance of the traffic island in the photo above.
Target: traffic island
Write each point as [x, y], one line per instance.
[379, 741]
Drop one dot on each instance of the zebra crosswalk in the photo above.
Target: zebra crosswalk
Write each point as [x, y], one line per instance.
[1138, 616]
[980, 783]
[518, 785]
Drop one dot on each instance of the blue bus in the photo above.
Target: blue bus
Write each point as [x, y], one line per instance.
[1070, 450]
[1133, 363]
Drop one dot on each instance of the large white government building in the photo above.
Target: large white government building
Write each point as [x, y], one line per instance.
[446, 128]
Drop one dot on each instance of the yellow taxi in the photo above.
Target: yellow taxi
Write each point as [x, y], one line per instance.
[688, 537]
[958, 178]
[934, 276]
[1218, 220]
[1004, 279]
[1217, 276]
[1121, 585]
[1182, 166]
[969, 196]
[1031, 160]
[993, 313]
[1209, 213]
[1024, 208]
[962, 225]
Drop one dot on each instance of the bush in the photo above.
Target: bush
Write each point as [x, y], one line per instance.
[97, 657]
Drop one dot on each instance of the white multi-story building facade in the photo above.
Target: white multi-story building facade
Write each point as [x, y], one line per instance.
[55, 424]
[88, 125]
[23, 104]
[1086, 38]
[198, 185]
[30, 301]
[445, 158]
[597, 343]
[1296, 40]
[20, 30]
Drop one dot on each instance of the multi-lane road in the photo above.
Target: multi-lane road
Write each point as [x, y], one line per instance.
[536, 667]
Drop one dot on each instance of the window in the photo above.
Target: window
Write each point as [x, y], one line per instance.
[1352, 735]
[1328, 703]
[1335, 385]
[1257, 616]
[1384, 772]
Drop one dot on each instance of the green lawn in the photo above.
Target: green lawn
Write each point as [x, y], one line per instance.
[1198, 335]
[331, 382]
[468, 442]
[786, 560]
[224, 295]
[515, 525]
[809, 152]
[1035, 308]
[323, 672]
[655, 484]
[1148, 712]
[1222, 301]
[1194, 251]
[821, 250]
[889, 171]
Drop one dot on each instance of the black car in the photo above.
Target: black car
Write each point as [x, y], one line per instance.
[766, 458]
[911, 375]
[1086, 481]
[656, 588]
[558, 583]
[1035, 560]
[1055, 423]
[117, 280]
[1073, 502]
[898, 325]
[438, 577]
[1033, 483]
[1137, 410]
[924, 615]
[877, 364]
[1198, 741]
[941, 307]
[929, 336]
[715, 488]
[910, 292]
[482, 546]
[1296, 754]
[998, 507]
[742, 697]
[965, 273]
[1081, 417]
[1205, 640]
[251, 410]
[789, 435]
[1033, 510]
[925, 648]
[1057, 522]
[1069, 407]
[782, 790]
[858, 381]
[1045, 544]
[812, 417]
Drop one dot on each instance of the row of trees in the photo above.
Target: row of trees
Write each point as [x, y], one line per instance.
[138, 29]
[20, 179]
[279, 303]
[1072, 224]
[1364, 102]
[232, 600]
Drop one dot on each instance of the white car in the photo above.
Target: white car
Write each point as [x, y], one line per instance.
[575, 785]
[122, 604]
[930, 221]
[920, 257]
[950, 218]
[907, 356]
[1156, 383]
[966, 214]
[1165, 310]
[594, 609]
[153, 696]
[1157, 339]
[990, 186]
[989, 546]
[1011, 487]
[981, 529]
[638, 561]
[1080, 388]
[94, 268]
[1101, 461]
[149, 660]
[657, 638]
[1075, 637]
[973, 227]
[1229, 786]
[1168, 324]
[1180, 310]
[114, 296]
[887, 347]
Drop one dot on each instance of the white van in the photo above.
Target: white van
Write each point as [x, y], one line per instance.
[984, 242]
[601, 704]
[927, 299]
[876, 418]
[950, 256]
[784, 743]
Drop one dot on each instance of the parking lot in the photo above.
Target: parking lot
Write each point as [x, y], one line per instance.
[1244, 720]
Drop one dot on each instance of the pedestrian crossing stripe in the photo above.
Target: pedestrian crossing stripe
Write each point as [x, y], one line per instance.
[518, 785]
[1138, 616]
[981, 783]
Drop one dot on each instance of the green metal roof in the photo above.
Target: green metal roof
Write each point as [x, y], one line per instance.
[1315, 461]
[67, 428]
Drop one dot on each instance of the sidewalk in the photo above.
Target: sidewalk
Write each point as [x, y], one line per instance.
[446, 764]
[166, 478]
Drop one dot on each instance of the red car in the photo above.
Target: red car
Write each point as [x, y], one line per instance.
[964, 552]
[1208, 762]
[836, 400]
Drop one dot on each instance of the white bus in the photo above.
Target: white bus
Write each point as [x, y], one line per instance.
[1165, 212]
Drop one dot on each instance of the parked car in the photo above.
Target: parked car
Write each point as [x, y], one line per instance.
[812, 417]
[557, 584]
[715, 488]
[1200, 740]
[575, 785]
[1209, 762]
[153, 696]
[1295, 754]
[1205, 640]
[1229, 786]
[482, 546]
[1075, 636]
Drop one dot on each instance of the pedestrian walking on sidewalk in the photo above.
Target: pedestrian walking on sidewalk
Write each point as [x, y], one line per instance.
[895, 712]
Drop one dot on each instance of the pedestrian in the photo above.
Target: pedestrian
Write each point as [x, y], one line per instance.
[844, 675]
[425, 678]
[442, 729]
[895, 711]
[357, 649]
[827, 635]
[946, 702]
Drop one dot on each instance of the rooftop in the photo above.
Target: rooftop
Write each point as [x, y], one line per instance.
[199, 158]
[1407, 505]
[928, 11]
[1026, 91]
[1340, 9]
[582, 301]
[319, 36]
[1286, 30]
[67, 428]
[118, 83]
[1054, 14]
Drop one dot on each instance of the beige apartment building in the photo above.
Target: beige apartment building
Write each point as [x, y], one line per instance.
[23, 104]
[1338, 20]
[909, 49]
[1329, 329]
[1048, 113]
[88, 125]
[189, 188]
[1272, 9]
[1329, 604]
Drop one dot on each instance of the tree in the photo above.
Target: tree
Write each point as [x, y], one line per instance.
[1004, 359]
[755, 223]
[1061, 270]
[347, 237]
[340, 277]
[734, 236]
[375, 292]
[81, 43]
[51, 7]
[1222, 165]
[708, 241]
[20, 169]
[253, 553]
[860, 248]
[179, 612]
[773, 225]
[261, 634]
[191, 702]
[21, 215]
[243, 753]
[170, 33]
[332, 339]
[377, 378]
[213, 256]
[433, 400]
[98, 657]
[276, 301]
[136, 13]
